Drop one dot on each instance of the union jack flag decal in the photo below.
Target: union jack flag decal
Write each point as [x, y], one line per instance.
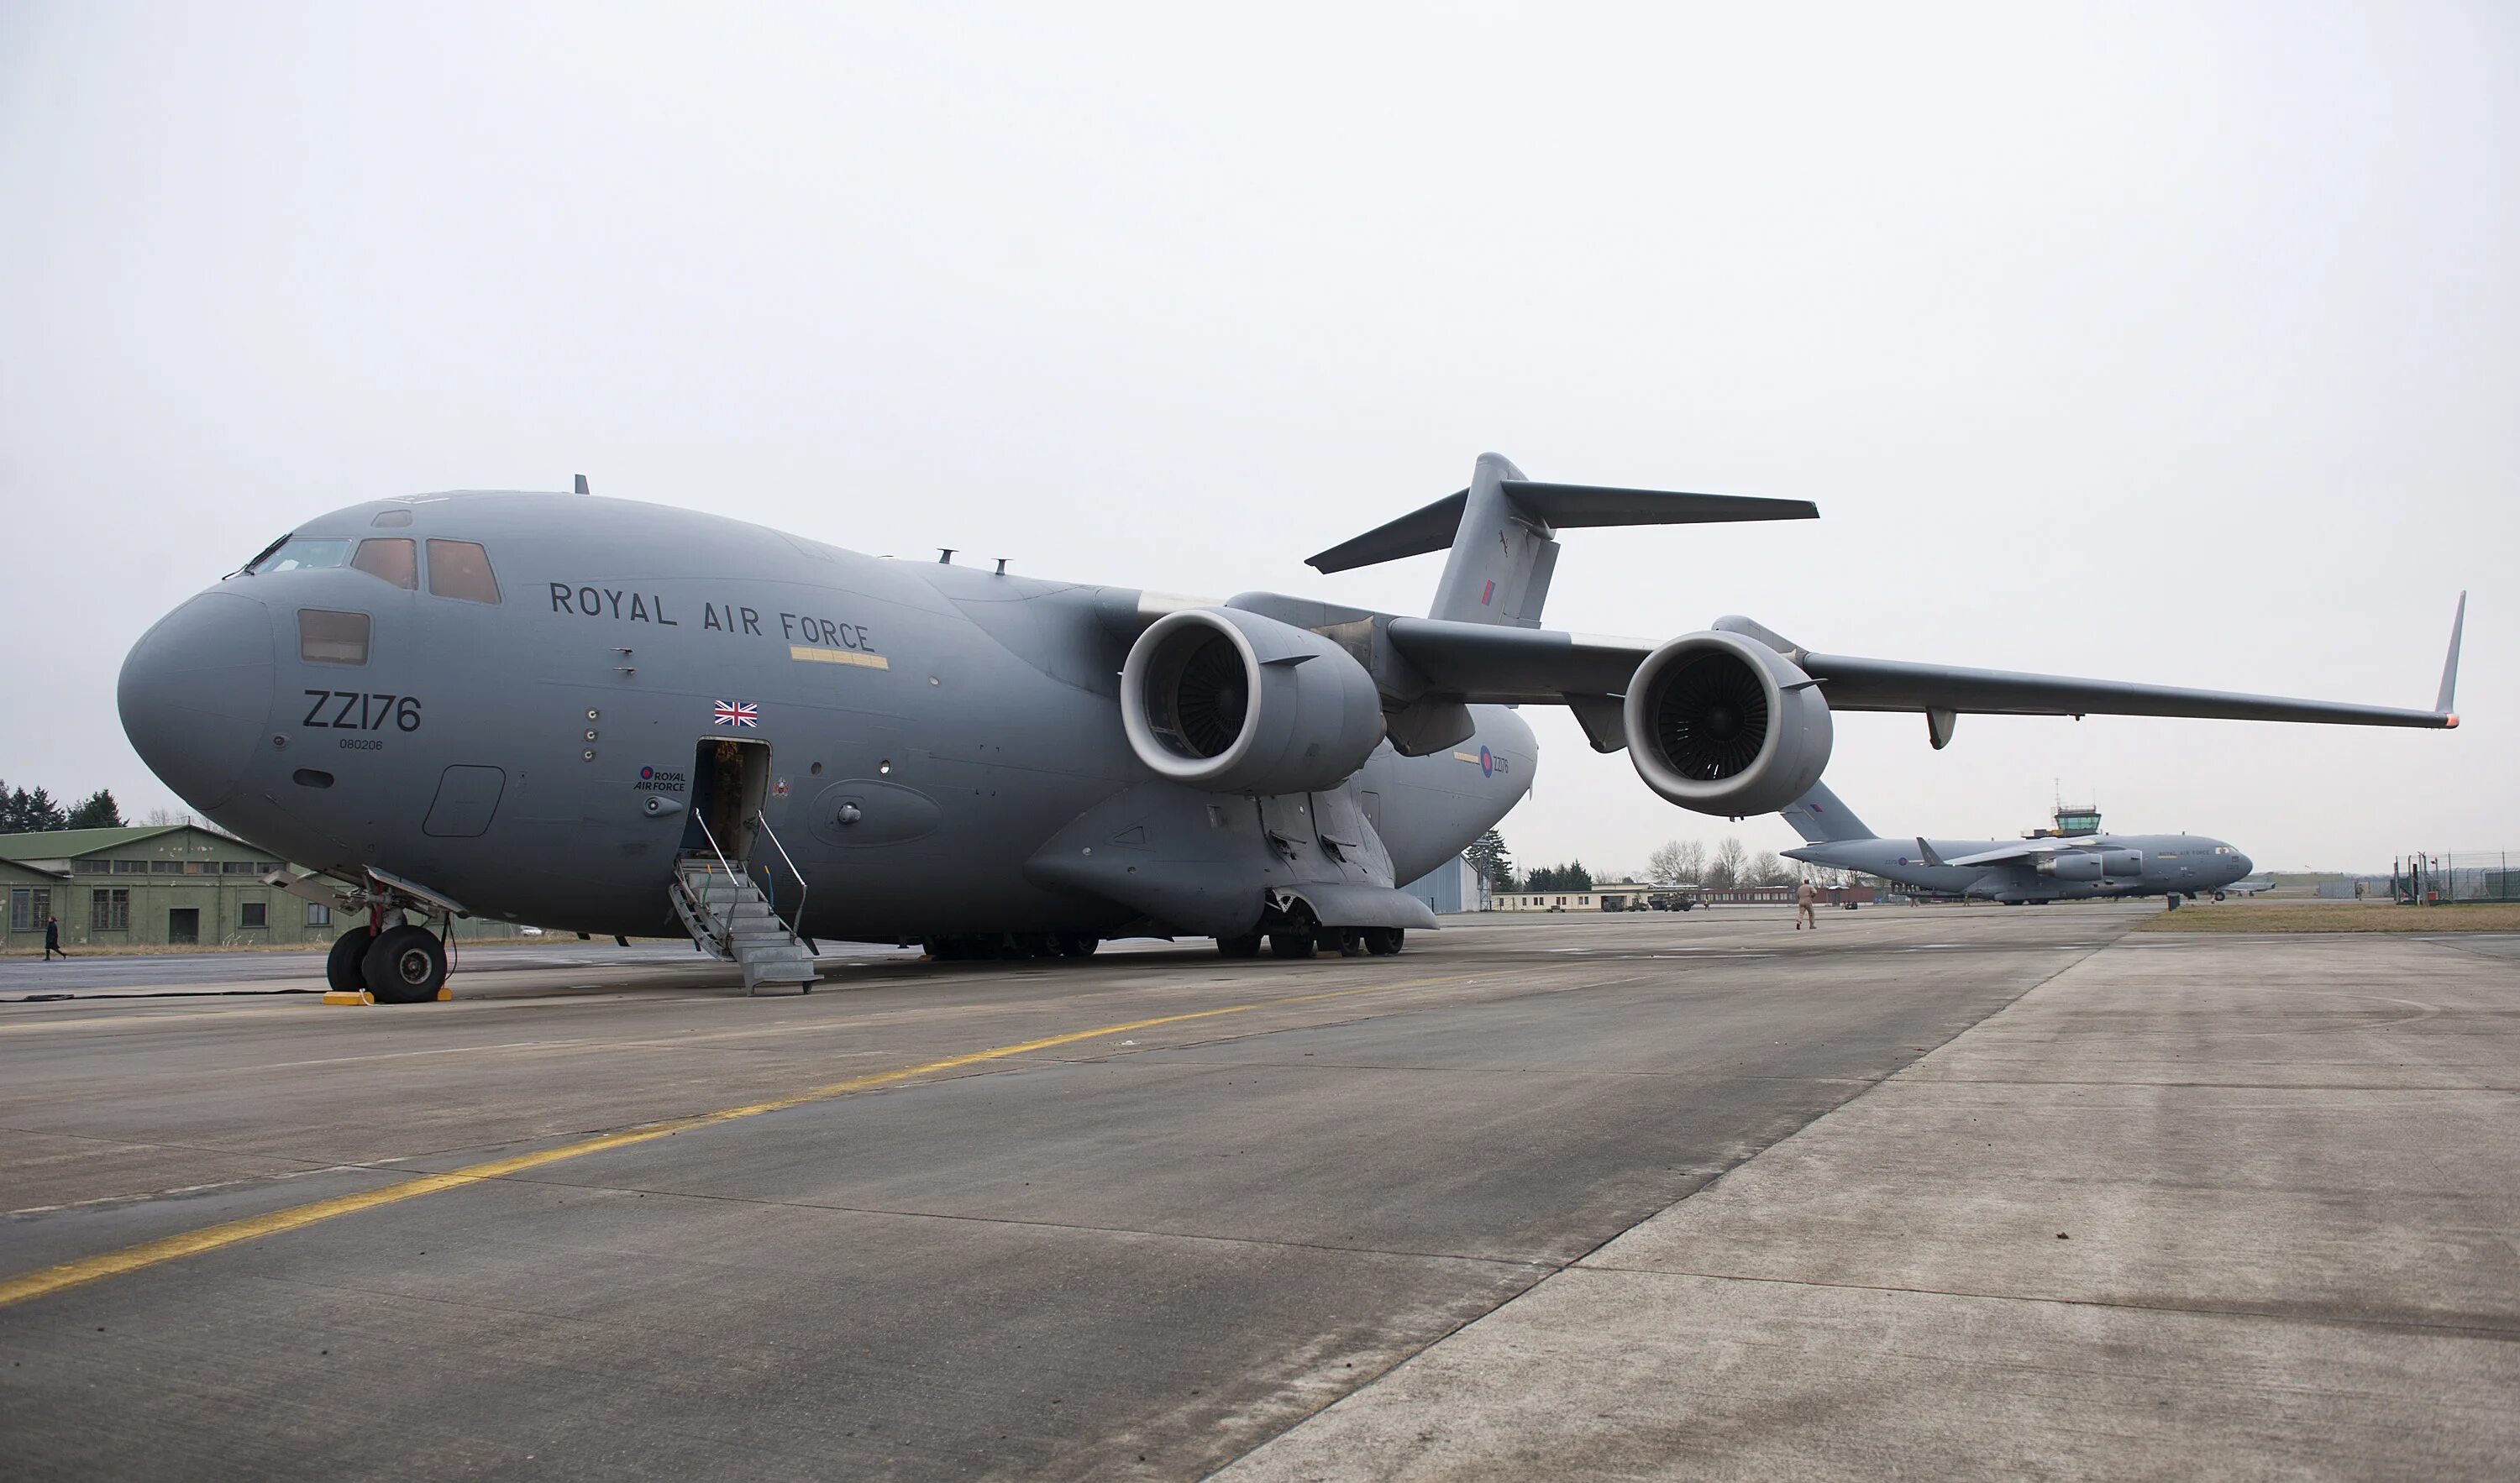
[737, 713]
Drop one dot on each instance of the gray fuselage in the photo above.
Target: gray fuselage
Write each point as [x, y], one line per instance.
[927, 729]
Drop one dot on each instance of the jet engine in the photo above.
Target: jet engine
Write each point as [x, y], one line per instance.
[1722, 724]
[1230, 701]
[2092, 865]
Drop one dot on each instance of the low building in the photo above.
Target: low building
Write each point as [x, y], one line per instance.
[158, 885]
[1547, 901]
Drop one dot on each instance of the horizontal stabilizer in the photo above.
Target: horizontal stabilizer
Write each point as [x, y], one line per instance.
[1432, 528]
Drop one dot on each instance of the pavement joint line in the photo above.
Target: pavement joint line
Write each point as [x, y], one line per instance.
[2509, 1334]
[89, 1268]
[2207, 1085]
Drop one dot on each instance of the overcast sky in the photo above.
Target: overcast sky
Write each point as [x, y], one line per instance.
[2176, 342]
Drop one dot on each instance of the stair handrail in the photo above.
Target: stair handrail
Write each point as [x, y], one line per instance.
[726, 934]
[796, 927]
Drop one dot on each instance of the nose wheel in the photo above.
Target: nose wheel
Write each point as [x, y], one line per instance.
[401, 964]
[405, 964]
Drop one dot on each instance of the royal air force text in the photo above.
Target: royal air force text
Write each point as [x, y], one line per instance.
[620, 606]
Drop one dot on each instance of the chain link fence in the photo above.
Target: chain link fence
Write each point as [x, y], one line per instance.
[2434, 879]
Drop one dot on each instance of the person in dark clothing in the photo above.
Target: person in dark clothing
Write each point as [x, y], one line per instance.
[53, 938]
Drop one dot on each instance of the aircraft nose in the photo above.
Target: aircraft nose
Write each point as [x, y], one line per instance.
[2247, 866]
[196, 695]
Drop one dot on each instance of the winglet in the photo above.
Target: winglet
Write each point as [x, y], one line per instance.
[2449, 666]
[1925, 852]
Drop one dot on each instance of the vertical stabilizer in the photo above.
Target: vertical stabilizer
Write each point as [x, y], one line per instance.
[1820, 819]
[1503, 556]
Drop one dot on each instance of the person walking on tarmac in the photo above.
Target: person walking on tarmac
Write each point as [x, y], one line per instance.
[53, 938]
[1805, 895]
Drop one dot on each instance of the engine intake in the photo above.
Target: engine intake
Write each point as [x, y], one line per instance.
[1230, 701]
[1722, 724]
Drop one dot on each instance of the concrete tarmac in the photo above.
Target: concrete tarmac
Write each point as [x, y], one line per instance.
[160, 975]
[1141, 1214]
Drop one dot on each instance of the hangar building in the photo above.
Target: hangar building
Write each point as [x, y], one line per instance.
[158, 885]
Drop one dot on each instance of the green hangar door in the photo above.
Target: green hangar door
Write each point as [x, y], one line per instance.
[466, 797]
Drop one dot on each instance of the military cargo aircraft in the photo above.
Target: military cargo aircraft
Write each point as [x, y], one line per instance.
[626, 718]
[2067, 863]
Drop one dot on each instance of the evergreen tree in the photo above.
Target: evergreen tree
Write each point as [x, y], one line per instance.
[25, 813]
[98, 811]
[1570, 876]
[1488, 856]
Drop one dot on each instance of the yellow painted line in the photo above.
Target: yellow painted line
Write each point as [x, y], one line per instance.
[838, 657]
[90, 1268]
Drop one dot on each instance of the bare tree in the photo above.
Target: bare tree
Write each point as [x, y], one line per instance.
[1766, 868]
[1725, 868]
[1679, 863]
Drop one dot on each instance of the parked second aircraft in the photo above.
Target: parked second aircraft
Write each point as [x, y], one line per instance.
[2065, 865]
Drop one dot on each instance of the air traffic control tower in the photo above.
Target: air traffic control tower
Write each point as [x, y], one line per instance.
[2070, 824]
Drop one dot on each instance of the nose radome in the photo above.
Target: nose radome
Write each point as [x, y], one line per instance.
[196, 695]
[2246, 865]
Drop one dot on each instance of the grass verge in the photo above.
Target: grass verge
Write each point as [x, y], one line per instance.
[2336, 917]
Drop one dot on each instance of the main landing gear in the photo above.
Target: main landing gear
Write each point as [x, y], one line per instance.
[982, 947]
[1305, 938]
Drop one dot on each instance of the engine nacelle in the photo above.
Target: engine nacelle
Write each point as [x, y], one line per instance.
[1722, 724]
[1231, 702]
[2092, 865]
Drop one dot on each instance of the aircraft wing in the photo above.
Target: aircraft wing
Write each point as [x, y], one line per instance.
[1479, 661]
[2024, 850]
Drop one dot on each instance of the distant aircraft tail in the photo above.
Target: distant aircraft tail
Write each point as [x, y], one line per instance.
[1820, 819]
[1501, 532]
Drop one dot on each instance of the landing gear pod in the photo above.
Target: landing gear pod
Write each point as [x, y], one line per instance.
[1722, 724]
[1231, 702]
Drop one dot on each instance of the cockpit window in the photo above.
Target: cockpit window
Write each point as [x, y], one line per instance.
[324, 637]
[393, 557]
[461, 569]
[297, 553]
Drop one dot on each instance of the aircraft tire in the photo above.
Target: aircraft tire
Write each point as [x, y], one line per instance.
[1245, 945]
[1382, 942]
[1351, 943]
[2218, 895]
[405, 964]
[342, 967]
[1077, 945]
[1286, 944]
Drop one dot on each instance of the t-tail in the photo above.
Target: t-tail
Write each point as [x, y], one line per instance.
[1820, 819]
[1501, 532]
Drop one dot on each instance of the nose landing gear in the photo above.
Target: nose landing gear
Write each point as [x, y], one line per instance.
[405, 963]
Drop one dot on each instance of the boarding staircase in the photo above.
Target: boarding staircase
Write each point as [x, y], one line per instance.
[730, 917]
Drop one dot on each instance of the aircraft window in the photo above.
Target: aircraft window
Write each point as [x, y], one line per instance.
[394, 558]
[391, 517]
[331, 638]
[297, 555]
[461, 569]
